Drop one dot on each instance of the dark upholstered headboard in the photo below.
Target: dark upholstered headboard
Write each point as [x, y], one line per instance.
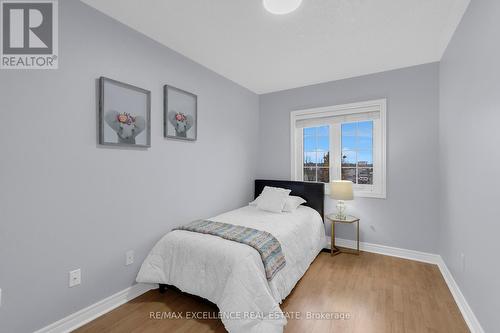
[313, 193]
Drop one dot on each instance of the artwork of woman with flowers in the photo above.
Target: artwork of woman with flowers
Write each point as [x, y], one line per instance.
[180, 114]
[124, 114]
[126, 126]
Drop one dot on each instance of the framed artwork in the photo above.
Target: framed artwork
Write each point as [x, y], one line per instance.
[180, 114]
[124, 114]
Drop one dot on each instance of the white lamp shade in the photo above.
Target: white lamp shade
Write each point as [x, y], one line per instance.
[341, 190]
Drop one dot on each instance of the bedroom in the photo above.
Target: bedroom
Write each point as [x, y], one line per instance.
[86, 194]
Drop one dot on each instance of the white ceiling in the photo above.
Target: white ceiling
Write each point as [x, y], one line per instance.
[323, 40]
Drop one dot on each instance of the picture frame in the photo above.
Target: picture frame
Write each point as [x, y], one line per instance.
[124, 114]
[180, 114]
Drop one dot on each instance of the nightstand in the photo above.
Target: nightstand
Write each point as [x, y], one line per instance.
[349, 220]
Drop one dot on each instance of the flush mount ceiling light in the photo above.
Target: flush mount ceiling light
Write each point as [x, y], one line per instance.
[281, 7]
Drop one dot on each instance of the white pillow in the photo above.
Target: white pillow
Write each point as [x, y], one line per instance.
[272, 199]
[292, 203]
[266, 189]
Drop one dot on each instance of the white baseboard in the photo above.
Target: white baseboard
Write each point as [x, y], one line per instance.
[80, 318]
[467, 313]
[469, 316]
[387, 250]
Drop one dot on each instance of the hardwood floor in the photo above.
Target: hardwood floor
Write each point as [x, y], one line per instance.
[379, 293]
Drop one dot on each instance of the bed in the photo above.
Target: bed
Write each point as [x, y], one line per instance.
[231, 274]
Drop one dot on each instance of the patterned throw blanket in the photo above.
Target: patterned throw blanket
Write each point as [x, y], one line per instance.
[266, 244]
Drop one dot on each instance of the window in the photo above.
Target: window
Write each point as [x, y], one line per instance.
[341, 142]
[357, 152]
[316, 166]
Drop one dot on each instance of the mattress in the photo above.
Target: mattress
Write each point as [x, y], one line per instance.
[231, 274]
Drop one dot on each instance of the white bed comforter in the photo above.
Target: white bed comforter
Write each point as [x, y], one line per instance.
[231, 274]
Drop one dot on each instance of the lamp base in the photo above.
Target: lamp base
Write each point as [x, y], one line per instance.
[341, 207]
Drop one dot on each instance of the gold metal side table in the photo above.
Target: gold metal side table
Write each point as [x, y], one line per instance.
[349, 220]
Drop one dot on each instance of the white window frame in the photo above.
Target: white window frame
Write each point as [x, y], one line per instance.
[378, 189]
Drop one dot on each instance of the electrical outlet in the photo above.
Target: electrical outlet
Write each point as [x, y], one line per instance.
[462, 262]
[75, 277]
[129, 257]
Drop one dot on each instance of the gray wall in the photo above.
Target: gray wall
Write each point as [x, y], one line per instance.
[470, 156]
[408, 217]
[66, 203]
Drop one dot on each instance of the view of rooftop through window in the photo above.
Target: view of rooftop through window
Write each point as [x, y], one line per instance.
[317, 154]
[357, 153]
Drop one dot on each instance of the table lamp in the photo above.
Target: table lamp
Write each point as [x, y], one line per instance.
[341, 190]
